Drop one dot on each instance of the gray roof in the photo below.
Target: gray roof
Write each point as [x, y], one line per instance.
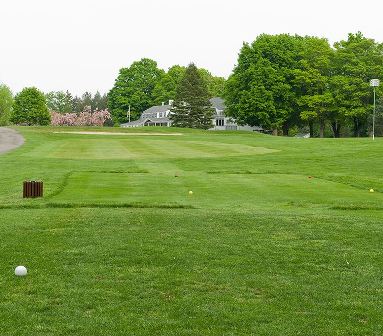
[218, 103]
[142, 121]
[155, 109]
[157, 120]
[133, 123]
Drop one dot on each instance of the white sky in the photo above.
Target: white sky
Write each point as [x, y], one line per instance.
[79, 45]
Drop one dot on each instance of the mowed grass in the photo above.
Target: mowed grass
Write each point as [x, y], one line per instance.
[281, 236]
[211, 191]
[104, 148]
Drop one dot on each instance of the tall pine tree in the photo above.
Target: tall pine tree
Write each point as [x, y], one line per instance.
[192, 107]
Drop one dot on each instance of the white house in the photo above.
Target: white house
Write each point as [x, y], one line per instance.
[153, 116]
[221, 122]
[159, 116]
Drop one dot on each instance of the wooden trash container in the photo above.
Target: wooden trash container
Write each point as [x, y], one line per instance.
[32, 189]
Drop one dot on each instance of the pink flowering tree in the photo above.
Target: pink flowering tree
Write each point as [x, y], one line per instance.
[84, 118]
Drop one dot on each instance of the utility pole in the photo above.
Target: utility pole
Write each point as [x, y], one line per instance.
[129, 114]
[374, 83]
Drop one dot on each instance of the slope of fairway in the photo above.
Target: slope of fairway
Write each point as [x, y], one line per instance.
[281, 236]
[211, 191]
[123, 148]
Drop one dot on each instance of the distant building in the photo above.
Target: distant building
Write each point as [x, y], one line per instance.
[159, 116]
[221, 122]
[153, 116]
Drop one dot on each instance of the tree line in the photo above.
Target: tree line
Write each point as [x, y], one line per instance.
[32, 107]
[137, 87]
[143, 85]
[65, 102]
[283, 81]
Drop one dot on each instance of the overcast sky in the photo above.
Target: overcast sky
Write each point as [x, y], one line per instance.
[79, 45]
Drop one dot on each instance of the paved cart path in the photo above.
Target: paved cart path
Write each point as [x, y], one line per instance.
[9, 139]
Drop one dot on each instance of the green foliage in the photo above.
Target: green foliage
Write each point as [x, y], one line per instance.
[282, 80]
[99, 102]
[311, 82]
[143, 85]
[30, 108]
[96, 102]
[316, 108]
[6, 103]
[265, 70]
[215, 85]
[134, 87]
[192, 107]
[166, 88]
[356, 60]
[86, 100]
[59, 101]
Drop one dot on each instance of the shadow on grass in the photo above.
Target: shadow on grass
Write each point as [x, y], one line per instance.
[94, 205]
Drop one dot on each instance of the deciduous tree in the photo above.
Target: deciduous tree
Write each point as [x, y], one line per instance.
[215, 84]
[6, 103]
[59, 101]
[166, 87]
[265, 69]
[134, 87]
[311, 82]
[356, 60]
[30, 108]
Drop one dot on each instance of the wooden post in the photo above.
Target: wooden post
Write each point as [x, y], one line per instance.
[32, 189]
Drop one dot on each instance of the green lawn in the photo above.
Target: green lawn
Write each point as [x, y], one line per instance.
[281, 236]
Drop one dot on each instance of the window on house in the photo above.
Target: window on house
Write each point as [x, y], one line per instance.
[220, 122]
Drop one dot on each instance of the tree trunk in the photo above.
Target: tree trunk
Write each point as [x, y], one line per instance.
[311, 125]
[321, 129]
[275, 131]
[335, 125]
[285, 129]
[356, 128]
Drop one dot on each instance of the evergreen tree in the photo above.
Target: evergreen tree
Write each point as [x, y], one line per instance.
[99, 102]
[192, 107]
[77, 105]
[30, 108]
[87, 100]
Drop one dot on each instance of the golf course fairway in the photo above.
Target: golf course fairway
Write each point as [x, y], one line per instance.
[279, 236]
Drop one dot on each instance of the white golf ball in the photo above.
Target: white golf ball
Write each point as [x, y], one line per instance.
[190, 192]
[21, 271]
